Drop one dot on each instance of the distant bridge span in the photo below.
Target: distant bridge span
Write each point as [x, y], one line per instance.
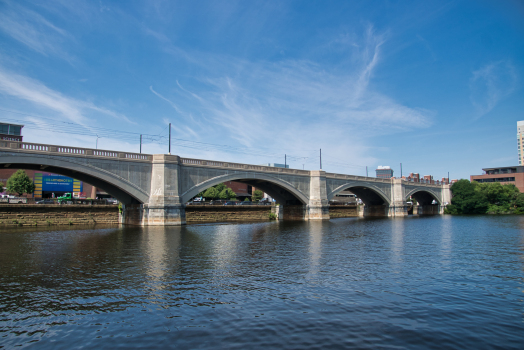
[155, 188]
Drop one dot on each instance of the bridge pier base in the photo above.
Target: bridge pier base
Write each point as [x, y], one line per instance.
[429, 209]
[373, 211]
[172, 215]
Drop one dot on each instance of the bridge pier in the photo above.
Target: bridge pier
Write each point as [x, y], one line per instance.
[428, 209]
[318, 206]
[164, 207]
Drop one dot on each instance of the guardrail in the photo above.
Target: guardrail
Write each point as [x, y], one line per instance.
[86, 152]
[240, 166]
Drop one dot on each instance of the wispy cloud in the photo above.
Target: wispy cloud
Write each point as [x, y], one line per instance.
[490, 84]
[34, 31]
[296, 104]
[27, 89]
[167, 100]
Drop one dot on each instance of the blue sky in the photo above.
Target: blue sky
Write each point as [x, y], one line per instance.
[434, 85]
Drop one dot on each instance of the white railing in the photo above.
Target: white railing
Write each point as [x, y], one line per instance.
[70, 150]
[105, 153]
[34, 147]
[87, 152]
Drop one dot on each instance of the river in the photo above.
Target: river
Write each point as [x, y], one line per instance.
[429, 282]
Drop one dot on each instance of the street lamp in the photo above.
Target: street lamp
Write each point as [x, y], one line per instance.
[97, 137]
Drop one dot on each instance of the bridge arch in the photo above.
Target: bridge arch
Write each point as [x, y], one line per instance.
[369, 193]
[266, 183]
[424, 196]
[118, 187]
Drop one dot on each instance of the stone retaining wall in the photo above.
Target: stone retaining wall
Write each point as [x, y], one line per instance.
[214, 213]
[43, 215]
[342, 211]
[52, 214]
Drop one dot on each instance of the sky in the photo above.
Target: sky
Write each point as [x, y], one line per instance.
[434, 85]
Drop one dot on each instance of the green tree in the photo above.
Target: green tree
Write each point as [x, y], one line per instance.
[220, 187]
[257, 196]
[20, 183]
[211, 193]
[227, 193]
[467, 198]
[246, 199]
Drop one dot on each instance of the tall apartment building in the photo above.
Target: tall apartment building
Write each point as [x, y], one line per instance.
[384, 172]
[520, 141]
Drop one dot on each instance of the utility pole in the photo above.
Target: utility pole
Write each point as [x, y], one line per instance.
[97, 141]
[401, 170]
[448, 177]
[169, 138]
[285, 161]
[302, 166]
[366, 171]
[321, 159]
[140, 143]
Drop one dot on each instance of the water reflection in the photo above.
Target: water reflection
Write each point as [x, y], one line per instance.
[446, 241]
[397, 239]
[304, 285]
[315, 247]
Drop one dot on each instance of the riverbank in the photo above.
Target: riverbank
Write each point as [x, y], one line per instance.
[47, 215]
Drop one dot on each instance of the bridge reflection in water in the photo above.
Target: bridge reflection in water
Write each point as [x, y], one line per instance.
[154, 188]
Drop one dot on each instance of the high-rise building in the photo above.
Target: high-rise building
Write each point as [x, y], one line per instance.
[384, 172]
[520, 143]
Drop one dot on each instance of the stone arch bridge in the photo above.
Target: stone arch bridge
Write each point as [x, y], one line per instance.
[154, 188]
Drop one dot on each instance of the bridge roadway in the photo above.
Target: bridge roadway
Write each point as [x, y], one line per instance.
[154, 188]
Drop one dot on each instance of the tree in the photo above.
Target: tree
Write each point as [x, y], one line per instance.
[227, 193]
[246, 199]
[257, 196]
[211, 193]
[1, 187]
[467, 198]
[20, 183]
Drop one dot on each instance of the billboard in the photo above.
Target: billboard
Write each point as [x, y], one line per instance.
[56, 183]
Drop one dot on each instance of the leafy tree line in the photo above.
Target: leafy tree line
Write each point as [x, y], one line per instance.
[220, 191]
[19, 183]
[485, 198]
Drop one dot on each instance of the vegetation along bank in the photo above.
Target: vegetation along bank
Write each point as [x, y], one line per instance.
[485, 198]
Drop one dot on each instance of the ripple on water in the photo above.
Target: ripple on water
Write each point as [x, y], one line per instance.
[436, 282]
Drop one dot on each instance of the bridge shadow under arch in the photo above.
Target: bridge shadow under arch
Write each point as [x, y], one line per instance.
[423, 197]
[370, 196]
[119, 188]
[283, 192]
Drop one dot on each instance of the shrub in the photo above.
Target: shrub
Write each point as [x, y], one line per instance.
[272, 216]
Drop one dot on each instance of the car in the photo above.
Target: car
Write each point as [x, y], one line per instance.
[45, 201]
[245, 203]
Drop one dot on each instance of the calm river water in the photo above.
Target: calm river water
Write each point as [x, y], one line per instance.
[434, 282]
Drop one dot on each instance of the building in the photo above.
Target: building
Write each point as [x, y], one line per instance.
[505, 175]
[384, 172]
[520, 141]
[11, 132]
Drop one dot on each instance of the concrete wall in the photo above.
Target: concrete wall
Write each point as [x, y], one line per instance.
[343, 211]
[47, 215]
[212, 213]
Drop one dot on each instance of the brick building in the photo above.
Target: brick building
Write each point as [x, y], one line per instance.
[505, 175]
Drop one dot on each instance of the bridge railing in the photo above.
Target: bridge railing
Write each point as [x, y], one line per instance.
[240, 166]
[77, 151]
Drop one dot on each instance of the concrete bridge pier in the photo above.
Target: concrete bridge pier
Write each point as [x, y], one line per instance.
[428, 209]
[374, 210]
[318, 206]
[164, 207]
